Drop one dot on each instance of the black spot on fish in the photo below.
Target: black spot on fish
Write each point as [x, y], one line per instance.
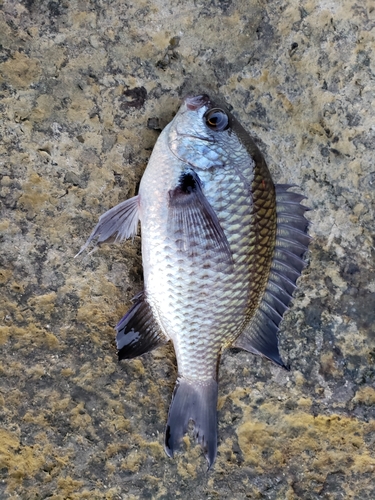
[187, 183]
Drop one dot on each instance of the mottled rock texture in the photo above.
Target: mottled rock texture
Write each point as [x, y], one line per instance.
[85, 87]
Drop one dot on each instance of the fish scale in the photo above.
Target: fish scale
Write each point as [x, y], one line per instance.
[222, 248]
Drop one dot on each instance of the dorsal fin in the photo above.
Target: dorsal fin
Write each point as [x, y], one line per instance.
[292, 240]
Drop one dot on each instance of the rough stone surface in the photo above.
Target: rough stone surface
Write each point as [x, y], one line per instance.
[85, 87]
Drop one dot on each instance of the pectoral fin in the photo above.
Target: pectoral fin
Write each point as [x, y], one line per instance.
[138, 331]
[119, 223]
[194, 222]
[260, 336]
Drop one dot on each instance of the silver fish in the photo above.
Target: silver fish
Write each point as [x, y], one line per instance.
[222, 248]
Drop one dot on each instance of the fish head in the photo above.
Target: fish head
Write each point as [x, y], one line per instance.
[203, 134]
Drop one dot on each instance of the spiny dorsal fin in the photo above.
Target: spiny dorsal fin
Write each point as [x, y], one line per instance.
[292, 240]
[137, 331]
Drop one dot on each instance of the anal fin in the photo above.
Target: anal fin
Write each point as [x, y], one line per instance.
[261, 334]
[138, 331]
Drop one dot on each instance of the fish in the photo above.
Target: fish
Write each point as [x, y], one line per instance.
[222, 249]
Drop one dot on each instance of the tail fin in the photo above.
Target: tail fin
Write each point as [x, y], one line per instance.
[197, 401]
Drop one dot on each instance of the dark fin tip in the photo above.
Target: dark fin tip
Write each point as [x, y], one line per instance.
[138, 331]
[168, 449]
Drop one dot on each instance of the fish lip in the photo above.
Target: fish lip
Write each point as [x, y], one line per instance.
[196, 102]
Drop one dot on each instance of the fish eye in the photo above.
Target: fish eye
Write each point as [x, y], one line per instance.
[216, 119]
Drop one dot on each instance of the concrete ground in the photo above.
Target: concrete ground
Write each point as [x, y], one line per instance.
[85, 87]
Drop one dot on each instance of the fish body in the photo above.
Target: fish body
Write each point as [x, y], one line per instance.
[200, 289]
[222, 248]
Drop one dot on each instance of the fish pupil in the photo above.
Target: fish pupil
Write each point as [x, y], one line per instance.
[217, 119]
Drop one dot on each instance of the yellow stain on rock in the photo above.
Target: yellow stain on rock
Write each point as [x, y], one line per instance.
[17, 287]
[4, 334]
[4, 224]
[304, 403]
[35, 194]
[59, 405]
[36, 371]
[43, 109]
[98, 308]
[67, 372]
[115, 448]
[133, 461]
[69, 485]
[156, 449]
[138, 367]
[31, 335]
[20, 71]
[300, 438]
[43, 304]
[20, 461]
[119, 424]
[92, 315]
[5, 275]
[366, 395]
[187, 470]
[79, 417]
[328, 365]
[35, 417]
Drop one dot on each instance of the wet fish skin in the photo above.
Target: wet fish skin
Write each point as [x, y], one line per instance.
[217, 239]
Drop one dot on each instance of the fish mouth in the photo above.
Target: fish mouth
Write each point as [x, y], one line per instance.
[197, 102]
